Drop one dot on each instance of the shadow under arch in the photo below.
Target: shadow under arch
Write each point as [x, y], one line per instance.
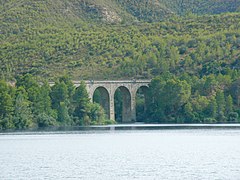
[142, 101]
[101, 96]
[122, 105]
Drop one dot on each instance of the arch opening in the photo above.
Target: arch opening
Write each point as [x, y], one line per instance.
[141, 104]
[122, 105]
[101, 96]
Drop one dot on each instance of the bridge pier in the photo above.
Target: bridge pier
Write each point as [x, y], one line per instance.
[133, 109]
[112, 107]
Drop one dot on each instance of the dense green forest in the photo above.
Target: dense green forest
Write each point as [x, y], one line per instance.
[169, 99]
[31, 105]
[191, 50]
[189, 99]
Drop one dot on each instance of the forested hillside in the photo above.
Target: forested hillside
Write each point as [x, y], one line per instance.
[196, 45]
[191, 50]
[155, 10]
[59, 12]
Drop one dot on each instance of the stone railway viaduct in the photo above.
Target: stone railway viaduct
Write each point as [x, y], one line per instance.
[107, 91]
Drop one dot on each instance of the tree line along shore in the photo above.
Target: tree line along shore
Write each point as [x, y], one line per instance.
[169, 99]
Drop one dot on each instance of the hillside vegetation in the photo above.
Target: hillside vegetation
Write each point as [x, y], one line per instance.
[155, 10]
[191, 50]
[25, 13]
[45, 38]
[196, 45]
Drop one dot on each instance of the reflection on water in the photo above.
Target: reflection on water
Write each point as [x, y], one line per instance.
[145, 154]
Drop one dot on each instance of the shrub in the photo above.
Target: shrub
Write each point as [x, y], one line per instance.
[44, 120]
[233, 117]
[210, 120]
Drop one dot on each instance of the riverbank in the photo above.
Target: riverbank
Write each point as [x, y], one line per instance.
[164, 126]
[119, 127]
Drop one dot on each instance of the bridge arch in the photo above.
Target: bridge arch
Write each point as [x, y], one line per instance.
[142, 100]
[101, 96]
[123, 95]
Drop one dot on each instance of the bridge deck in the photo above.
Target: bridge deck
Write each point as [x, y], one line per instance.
[113, 82]
[108, 82]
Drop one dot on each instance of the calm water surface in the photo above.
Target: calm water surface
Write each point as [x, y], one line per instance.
[144, 154]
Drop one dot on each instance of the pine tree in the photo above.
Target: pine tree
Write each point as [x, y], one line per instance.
[44, 100]
[221, 106]
[59, 94]
[220, 101]
[63, 115]
[81, 101]
[23, 117]
[213, 108]
[29, 83]
[229, 105]
[60, 102]
[6, 100]
[70, 86]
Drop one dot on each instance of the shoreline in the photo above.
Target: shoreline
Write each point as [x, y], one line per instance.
[117, 127]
